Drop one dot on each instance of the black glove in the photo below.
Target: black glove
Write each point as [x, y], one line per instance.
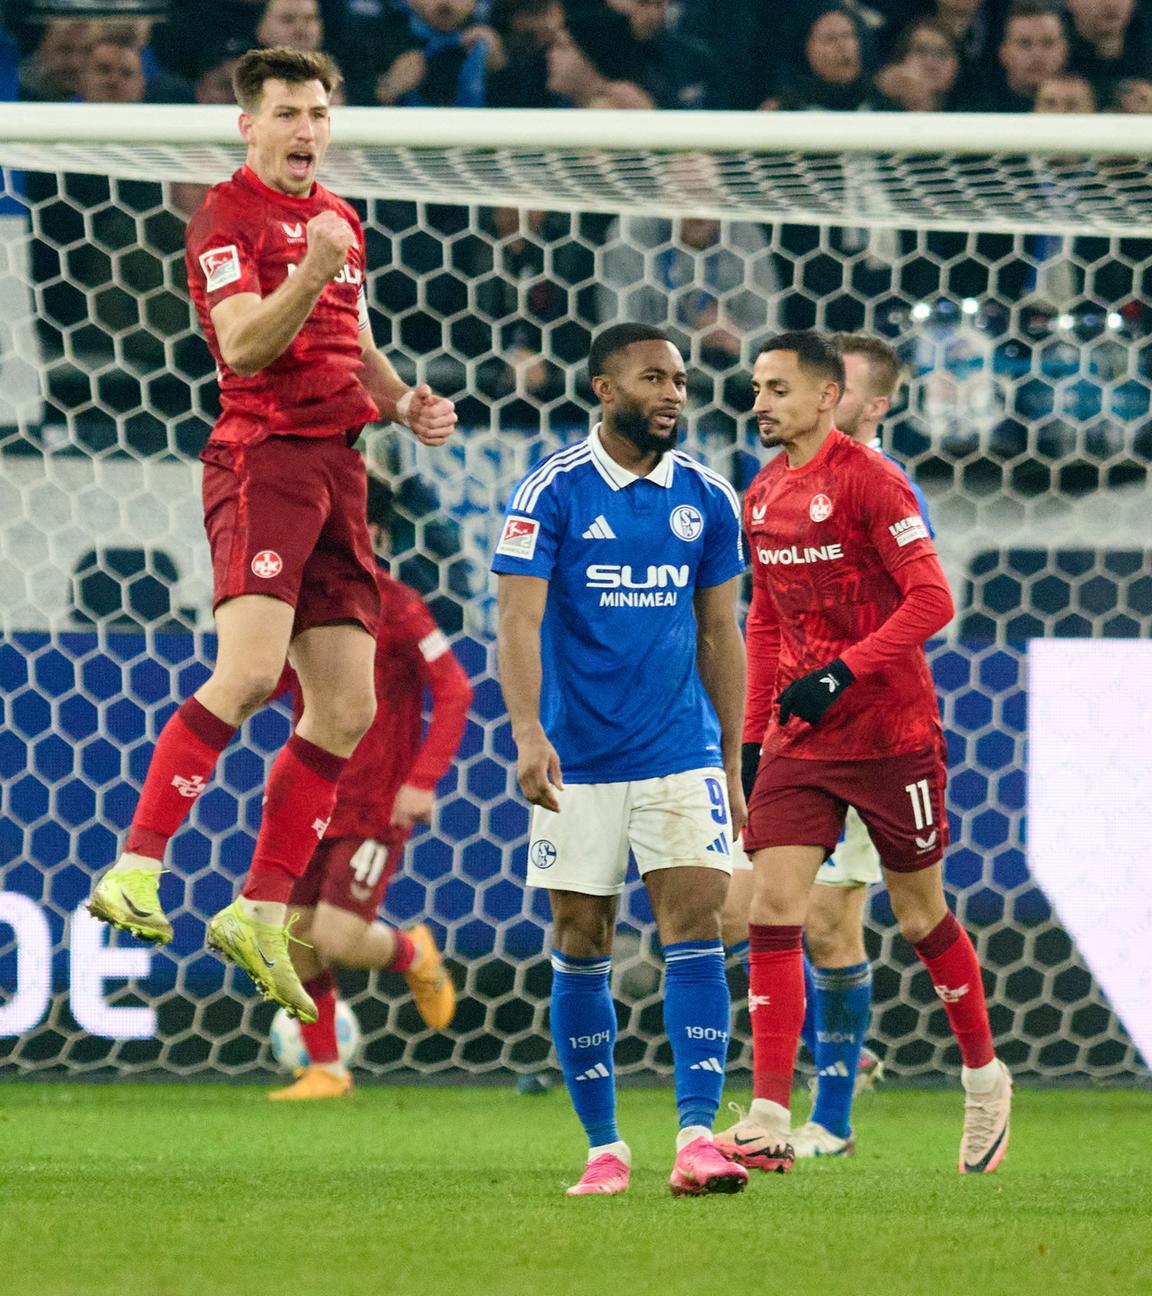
[811, 695]
[749, 764]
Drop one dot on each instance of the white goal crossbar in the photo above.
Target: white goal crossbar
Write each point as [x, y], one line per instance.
[1058, 173]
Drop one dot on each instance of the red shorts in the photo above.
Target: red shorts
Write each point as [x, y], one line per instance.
[900, 799]
[286, 517]
[350, 873]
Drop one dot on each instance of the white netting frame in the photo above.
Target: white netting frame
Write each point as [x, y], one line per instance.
[132, 495]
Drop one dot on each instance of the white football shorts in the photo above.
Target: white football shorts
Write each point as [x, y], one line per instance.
[855, 862]
[678, 821]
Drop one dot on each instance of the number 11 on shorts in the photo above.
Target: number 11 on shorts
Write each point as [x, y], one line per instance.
[921, 803]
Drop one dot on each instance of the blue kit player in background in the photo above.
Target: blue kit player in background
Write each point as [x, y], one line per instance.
[623, 671]
[838, 975]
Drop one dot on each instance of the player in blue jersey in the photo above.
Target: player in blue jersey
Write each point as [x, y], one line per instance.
[623, 671]
[838, 976]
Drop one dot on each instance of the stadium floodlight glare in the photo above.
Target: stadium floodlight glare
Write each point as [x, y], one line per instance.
[970, 306]
[921, 311]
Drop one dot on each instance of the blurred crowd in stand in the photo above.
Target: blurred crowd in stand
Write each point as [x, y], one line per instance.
[768, 55]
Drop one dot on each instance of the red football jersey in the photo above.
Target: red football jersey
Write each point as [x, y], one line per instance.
[831, 545]
[411, 655]
[247, 238]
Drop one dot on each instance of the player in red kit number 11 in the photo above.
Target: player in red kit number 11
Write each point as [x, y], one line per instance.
[846, 589]
[276, 270]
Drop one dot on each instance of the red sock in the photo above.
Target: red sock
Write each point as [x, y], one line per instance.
[776, 1005]
[186, 754]
[297, 807]
[951, 961]
[404, 953]
[320, 1036]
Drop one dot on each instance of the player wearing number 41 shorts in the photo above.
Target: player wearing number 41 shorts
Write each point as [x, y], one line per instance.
[386, 788]
[846, 589]
[618, 556]
[276, 269]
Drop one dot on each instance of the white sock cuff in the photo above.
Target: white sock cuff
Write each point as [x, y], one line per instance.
[618, 1149]
[980, 1079]
[690, 1133]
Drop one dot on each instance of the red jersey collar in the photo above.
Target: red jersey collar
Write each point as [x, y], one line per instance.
[834, 438]
[249, 177]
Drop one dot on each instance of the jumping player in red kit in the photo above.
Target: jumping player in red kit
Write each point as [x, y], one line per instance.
[387, 787]
[276, 269]
[846, 589]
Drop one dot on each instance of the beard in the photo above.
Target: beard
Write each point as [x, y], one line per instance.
[771, 438]
[633, 425]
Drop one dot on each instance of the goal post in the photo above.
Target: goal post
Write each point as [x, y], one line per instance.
[1009, 262]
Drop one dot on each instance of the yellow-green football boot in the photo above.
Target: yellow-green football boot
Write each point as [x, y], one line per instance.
[261, 950]
[129, 898]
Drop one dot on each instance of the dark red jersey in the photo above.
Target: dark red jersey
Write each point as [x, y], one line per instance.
[411, 655]
[842, 566]
[247, 238]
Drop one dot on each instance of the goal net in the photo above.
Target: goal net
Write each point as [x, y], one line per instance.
[1014, 284]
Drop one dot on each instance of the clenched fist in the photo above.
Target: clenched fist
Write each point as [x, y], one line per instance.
[330, 239]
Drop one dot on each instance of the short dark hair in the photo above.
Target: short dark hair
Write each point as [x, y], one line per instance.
[280, 63]
[1034, 9]
[929, 23]
[884, 364]
[816, 352]
[615, 338]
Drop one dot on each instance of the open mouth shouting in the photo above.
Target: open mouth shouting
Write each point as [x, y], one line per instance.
[300, 163]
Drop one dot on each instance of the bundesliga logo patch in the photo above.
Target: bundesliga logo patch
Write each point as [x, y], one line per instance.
[519, 538]
[267, 564]
[221, 266]
[820, 510]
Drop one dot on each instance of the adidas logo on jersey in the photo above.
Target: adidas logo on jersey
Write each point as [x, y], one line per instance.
[720, 846]
[597, 1072]
[599, 530]
[709, 1064]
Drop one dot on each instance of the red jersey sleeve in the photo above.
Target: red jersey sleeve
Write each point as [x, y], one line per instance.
[899, 534]
[221, 254]
[892, 518]
[444, 678]
[762, 641]
[925, 607]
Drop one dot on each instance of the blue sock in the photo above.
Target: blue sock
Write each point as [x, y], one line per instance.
[697, 1013]
[808, 1030]
[843, 1009]
[584, 1032]
[739, 952]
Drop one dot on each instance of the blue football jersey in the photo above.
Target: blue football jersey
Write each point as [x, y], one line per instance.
[623, 555]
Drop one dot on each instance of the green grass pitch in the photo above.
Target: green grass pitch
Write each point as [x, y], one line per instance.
[202, 1190]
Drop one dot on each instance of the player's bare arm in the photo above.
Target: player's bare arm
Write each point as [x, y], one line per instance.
[721, 665]
[253, 331]
[432, 418]
[521, 610]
